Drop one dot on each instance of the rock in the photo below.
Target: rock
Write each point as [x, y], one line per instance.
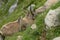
[1, 3]
[57, 38]
[51, 19]
[1, 38]
[13, 7]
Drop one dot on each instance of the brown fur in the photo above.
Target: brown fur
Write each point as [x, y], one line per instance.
[18, 25]
[10, 28]
[13, 27]
[46, 5]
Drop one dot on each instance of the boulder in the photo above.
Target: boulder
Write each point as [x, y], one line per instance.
[57, 38]
[52, 18]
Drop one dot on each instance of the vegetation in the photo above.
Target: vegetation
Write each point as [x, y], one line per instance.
[28, 34]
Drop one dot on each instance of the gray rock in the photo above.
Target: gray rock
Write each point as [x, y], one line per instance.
[1, 37]
[57, 38]
[1, 3]
[13, 7]
[51, 19]
[19, 37]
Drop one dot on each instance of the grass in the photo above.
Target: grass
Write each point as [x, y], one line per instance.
[28, 34]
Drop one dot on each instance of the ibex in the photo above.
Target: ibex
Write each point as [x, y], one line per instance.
[46, 5]
[18, 25]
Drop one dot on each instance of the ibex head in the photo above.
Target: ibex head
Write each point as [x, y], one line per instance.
[31, 12]
[28, 19]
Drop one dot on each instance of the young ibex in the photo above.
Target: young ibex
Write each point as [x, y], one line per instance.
[46, 5]
[18, 25]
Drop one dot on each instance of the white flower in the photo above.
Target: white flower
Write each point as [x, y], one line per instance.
[19, 37]
[33, 26]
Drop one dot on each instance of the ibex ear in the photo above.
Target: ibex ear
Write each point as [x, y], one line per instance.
[31, 11]
[20, 19]
[20, 22]
[27, 13]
